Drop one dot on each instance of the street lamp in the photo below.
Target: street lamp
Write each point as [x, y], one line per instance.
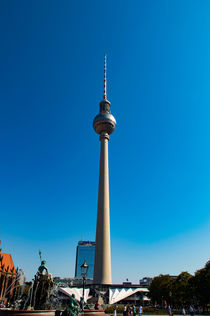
[84, 271]
[170, 294]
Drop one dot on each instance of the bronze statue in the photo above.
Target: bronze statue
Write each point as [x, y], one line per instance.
[43, 270]
[74, 308]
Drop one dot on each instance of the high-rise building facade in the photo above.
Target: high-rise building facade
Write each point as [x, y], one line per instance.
[104, 125]
[85, 252]
[145, 282]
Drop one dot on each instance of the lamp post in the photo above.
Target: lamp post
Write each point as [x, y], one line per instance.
[170, 294]
[84, 271]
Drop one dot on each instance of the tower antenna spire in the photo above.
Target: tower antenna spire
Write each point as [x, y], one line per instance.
[105, 97]
[40, 255]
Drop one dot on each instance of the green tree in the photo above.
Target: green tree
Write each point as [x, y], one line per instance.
[181, 293]
[161, 289]
[201, 286]
[183, 290]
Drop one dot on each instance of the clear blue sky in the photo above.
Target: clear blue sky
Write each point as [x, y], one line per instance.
[51, 82]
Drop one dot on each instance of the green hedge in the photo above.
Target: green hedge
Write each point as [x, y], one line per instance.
[146, 310]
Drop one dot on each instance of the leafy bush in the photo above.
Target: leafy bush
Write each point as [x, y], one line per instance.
[146, 310]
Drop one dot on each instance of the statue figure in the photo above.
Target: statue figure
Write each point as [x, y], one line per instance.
[74, 307]
[43, 270]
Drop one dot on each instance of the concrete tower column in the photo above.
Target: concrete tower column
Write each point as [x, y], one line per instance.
[102, 268]
[104, 125]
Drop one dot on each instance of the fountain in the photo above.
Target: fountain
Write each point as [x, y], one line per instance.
[40, 298]
[36, 301]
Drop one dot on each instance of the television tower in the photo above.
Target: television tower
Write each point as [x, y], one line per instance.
[104, 124]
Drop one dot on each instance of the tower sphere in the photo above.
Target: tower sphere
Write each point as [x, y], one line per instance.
[104, 121]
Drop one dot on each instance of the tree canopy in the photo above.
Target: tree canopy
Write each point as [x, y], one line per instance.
[185, 289]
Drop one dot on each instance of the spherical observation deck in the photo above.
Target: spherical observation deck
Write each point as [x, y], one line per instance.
[104, 122]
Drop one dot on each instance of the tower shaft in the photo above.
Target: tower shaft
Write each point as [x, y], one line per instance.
[102, 267]
[104, 124]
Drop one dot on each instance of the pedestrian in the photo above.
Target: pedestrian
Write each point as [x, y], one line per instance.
[128, 310]
[97, 305]
[131, 310]
[134, 310]
[191, 310]
[140, 310]
[115, 311]
[183, 311]
[124, 310]
[169, 310]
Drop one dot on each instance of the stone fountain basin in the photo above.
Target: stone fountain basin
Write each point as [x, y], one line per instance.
[12, 312]
[93, 313]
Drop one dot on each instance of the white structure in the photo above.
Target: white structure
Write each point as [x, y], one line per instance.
[119, 294]
[78, 292]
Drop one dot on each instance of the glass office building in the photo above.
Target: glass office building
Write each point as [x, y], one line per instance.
[85, 252]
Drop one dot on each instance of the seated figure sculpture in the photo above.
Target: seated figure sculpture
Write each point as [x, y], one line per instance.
[74, 307]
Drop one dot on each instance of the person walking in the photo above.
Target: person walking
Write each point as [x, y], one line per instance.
[115, 311]
[134, 310]
[97, 305]
[124, 310]
[128, 310]
[191, 310]
[131, 311]
[140, 310]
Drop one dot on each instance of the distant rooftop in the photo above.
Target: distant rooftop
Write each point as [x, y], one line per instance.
[6, 262]
[86, 243]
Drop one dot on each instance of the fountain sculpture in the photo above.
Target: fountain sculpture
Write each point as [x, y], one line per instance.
[37, 295]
